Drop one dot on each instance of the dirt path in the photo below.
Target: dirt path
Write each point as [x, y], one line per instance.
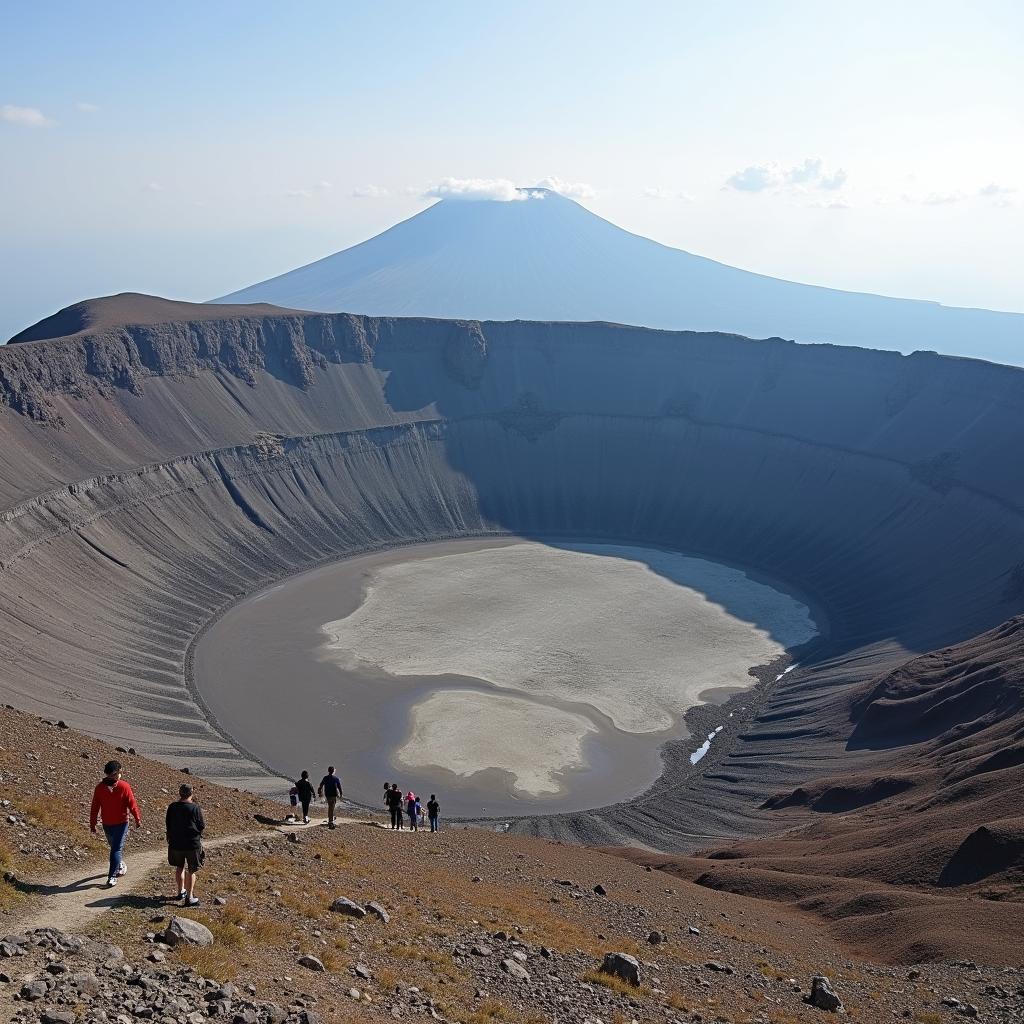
[73, 901]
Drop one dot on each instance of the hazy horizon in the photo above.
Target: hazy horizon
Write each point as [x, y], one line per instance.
[871, 150]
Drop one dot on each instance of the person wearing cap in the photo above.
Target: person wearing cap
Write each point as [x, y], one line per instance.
[185, 827]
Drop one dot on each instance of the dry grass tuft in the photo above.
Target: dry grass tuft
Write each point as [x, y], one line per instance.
[441, 965]
[614, 982]
[493, 1011]
[311, 905]
[51, 813]
[519, 907]
[225, 932]
[677, 1002]
[768, 971]
[253, 864]
[208, 961]
[387, 977]
[263, 931]
[9, 895]
[928, 1017]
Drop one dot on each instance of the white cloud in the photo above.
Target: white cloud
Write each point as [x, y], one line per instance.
[475, 189]
[835, 180]
[666, 193]
[838, 203]
[1001, 195]
[324, 186]
[811, 173]
[808, 171]
[86, 108]
[30, 117]
[371, 192]
[569, 189]
[504, 191]
[154, 186]
[755, 178]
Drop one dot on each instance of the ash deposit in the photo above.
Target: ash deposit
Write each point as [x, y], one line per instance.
[514, 676]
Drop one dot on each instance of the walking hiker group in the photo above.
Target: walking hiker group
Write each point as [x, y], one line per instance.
[114, 803]
[410, 803]
[401, 807]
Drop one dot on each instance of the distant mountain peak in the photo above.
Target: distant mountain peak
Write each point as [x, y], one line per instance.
[549, 258]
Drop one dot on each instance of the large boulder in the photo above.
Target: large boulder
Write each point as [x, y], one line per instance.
[823, 996]
[622, 965]
[378, 911]
[345, 906]
[185, 931]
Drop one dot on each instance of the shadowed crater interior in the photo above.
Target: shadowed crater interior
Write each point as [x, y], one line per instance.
[161, 463]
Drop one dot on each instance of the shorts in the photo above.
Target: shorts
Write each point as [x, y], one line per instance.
[179, 858]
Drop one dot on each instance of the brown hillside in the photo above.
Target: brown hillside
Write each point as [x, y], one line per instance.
[926, 858]
[461, 904]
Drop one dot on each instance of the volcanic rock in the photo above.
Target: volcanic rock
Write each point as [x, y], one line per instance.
[623, 966]
[183, 930]
[823, 996]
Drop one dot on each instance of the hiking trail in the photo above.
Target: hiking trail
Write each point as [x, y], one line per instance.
[73, 901]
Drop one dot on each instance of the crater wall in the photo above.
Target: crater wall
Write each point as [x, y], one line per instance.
[152, 474]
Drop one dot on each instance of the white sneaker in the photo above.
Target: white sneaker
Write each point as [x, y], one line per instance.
[111, 881]
[191, 901]
[122, 870]
[305, 821]
[182, 894]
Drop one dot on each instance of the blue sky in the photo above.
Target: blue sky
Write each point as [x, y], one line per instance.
[193, 149]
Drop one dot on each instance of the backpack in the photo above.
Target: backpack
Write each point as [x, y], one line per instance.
[293, 796]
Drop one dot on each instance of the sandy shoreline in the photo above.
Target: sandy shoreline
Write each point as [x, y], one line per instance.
[247, 665]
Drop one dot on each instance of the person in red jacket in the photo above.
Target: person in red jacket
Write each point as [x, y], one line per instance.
[114, 801]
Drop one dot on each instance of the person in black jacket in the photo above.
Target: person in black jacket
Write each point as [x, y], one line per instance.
[395, 803]
[305, 792]
[185, 827]
[330, 790]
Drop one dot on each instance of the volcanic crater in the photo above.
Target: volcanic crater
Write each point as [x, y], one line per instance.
[163, 464]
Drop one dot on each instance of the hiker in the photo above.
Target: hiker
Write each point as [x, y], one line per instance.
[305, 793]
[433, 812]
[394, 800]
[185, 827]
[410, 808]
[114, 801]
[330, 790]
